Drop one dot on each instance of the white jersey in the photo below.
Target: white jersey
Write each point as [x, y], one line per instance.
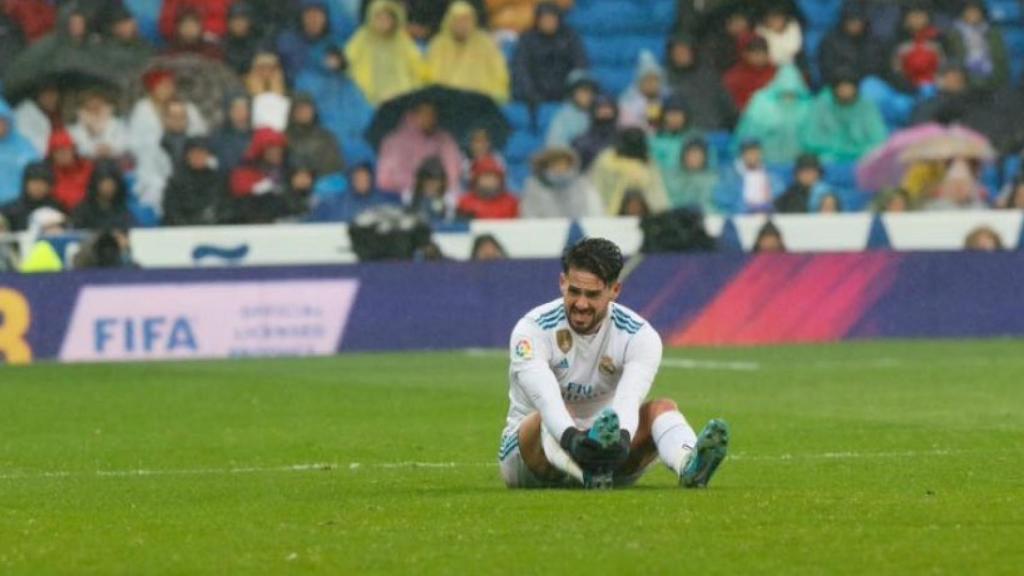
[570, 378]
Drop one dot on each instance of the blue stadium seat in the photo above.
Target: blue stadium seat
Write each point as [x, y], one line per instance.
[147, 14]
[1006, 11]
[545, 114]
[621, 50]
[522, 146]
[517, 175]
[721, 143]
[518, 116]
[611, 17]
[992, 180]
[1011, 167]
[821, 14]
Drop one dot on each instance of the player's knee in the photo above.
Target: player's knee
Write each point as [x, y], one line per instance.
[662, 406]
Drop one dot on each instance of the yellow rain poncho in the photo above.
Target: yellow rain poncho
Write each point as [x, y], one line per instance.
[475, 64]
[386, 66]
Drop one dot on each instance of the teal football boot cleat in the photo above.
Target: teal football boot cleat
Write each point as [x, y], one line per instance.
[605, 432]
[712, 446]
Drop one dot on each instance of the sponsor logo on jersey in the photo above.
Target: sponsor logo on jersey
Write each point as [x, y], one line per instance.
[607, 366]
[564, 364]
[564, 338]
[524, 349]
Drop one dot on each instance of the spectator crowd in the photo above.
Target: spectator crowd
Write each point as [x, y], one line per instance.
[211, 112]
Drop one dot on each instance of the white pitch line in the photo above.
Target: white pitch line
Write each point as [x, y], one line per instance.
[357, 466]
[693, 364]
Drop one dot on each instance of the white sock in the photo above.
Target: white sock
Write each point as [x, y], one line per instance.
[558, 457]
[674, 438]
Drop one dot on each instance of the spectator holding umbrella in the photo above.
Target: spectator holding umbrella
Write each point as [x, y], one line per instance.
[545, 56]
[99, 133]
[420, 136]
[37, 117]
[383, 59]
[464, 57]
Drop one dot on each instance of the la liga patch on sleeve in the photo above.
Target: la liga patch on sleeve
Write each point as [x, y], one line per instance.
[524, 350]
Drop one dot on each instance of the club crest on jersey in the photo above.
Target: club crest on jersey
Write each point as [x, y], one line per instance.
[607, 366]
[524, 349]
[564, 338]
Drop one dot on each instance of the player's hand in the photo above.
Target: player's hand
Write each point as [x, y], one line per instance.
[590, 454]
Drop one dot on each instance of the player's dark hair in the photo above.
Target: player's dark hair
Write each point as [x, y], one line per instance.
[600, 257]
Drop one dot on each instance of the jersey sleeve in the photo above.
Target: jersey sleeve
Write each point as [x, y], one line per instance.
[643, 358]
[530, 353]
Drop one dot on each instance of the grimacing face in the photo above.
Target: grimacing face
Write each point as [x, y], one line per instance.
[586, 299]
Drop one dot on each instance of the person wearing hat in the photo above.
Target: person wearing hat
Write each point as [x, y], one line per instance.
[807, 184]
[36, 192]
[488, 197]
[573, 117]
[71, 171]
[694, 79]
[776, 116]
[753, 72]
[556, 189]
[674, 130]
[640, 104]
[842, 127]
[747, 187]
[197, 191]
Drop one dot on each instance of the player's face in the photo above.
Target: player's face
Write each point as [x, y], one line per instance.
[586, 299]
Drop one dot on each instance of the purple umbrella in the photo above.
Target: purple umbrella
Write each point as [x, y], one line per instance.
[882, 168]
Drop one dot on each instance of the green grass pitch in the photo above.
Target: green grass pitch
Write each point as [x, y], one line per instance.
[889, 458]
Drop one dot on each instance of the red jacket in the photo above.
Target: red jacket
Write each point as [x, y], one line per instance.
[251, 172]
[743, 80]
[503, 207]
[35, 17]
[213, 12]
[70, 183]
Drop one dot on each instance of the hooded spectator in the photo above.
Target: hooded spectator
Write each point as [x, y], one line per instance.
[464, 57]
[753, 72]
[99, 133]
[807, 184]
[309, 143]
[918, 52]
[362, 195]
[727, 45]
[842, 127]
[488, 197]
[692, 179]
[243, 39]
[747, 186]
[783, 34]
[38, 116]
[383, 59]
[146, 122]
[640, 105]
[127, 49]
[545, 56]
[980, 47]
[959, 190]
[35, 18]
[106, 205]
[197, 190]
[517, 16]
[305, 44]
[420, 136]
[213, 16]
[777, 115]
[232, 140]
[36, 192]
[628, 166]
[556, 189]
[343, 108]
[431, 197]
[573, 117]
[16, 152]
[189, 38]
[71, 172]
[673, 132]
[264, 167]
[604, 121]
[850, 46]
[698, 84]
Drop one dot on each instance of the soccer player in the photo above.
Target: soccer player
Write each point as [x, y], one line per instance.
[581, 369]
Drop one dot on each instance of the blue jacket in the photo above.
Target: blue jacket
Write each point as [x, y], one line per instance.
[344, 111]
[16, 152]
[729, 193]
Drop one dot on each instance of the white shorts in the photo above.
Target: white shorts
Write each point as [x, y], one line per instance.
[517, 474]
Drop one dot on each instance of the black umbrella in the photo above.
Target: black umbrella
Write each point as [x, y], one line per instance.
[70, 69]
[459, 112]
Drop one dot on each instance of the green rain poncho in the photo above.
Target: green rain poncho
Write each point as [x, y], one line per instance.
[843, 133]
[776, 115]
